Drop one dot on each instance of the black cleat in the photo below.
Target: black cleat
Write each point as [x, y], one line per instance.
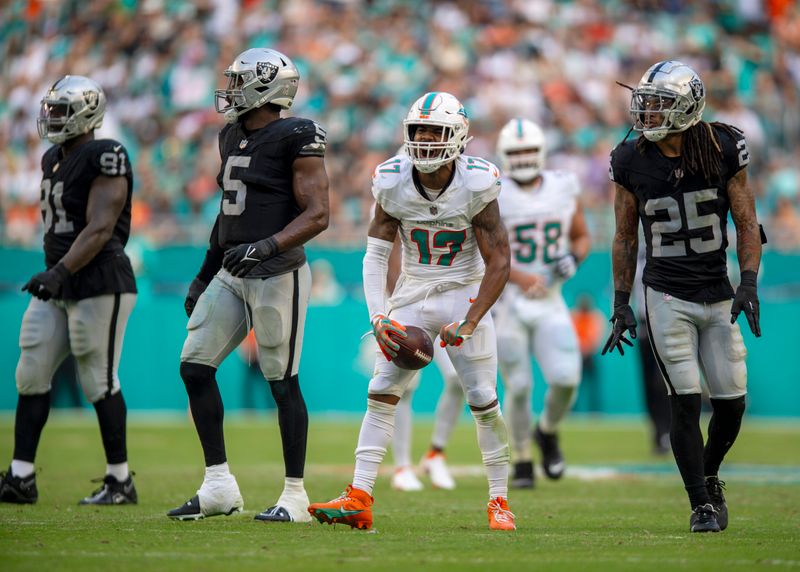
[113, 492]
[18, 490]
[274, 514]
[552, 459]
[190, 510]
[715, 488]
[523, 477]
[704, 519]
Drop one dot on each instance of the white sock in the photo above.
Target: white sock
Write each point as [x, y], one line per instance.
[293, 486]
[517, 407]
[493, 443]
[375, 436]
[118, 470]
[21, 469]
[448, 410]
[401, 443]
[217, 472]
[557, 403]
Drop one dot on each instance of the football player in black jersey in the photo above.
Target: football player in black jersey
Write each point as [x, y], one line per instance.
[255, 275]
[681, 177]
[81, 303]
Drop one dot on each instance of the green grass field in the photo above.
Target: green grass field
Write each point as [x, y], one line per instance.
[633, 518]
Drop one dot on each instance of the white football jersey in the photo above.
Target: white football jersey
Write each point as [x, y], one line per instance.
[439, 246]
[538, 222]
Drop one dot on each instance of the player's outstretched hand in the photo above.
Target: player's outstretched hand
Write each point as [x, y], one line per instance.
[623, 321]
[455, 333]
[48, 284]
[240, 260]
[382, 327]
[196, 288]
[746, 300]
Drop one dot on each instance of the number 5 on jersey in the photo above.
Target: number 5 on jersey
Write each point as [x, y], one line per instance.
[234, 190]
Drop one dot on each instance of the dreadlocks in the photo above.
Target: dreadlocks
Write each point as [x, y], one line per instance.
[700, 149]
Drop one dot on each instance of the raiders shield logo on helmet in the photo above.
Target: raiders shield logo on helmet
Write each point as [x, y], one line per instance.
[91, 98]
[266, 71]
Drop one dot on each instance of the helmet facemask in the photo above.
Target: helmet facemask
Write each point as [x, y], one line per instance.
[432, 153]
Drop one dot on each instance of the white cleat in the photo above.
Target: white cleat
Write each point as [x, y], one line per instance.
[404, 479]
[215, 497]
[435, 466]
[291, 507]
[220, 496]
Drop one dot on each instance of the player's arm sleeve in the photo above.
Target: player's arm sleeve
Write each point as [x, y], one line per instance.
[737, 156]
[111, 160]
[376, 266]
[308, 139]
[213, 260]
[485, 187]
[616, 171]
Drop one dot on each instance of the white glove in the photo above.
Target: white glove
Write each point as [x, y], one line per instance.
[566, 266]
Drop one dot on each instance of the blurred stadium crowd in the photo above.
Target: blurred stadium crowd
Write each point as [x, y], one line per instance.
[363, 62]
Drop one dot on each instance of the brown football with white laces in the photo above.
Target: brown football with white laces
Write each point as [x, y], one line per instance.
[416, 349]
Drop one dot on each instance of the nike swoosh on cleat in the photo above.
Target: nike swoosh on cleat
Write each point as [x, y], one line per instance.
[557, 467]
[338, 513]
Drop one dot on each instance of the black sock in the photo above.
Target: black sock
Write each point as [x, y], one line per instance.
[207, 410]
[111, 416]
[687, 446]
[32, 412]
[722, 431]
[293, 421]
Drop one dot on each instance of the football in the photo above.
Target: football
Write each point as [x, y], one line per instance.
[416, 350]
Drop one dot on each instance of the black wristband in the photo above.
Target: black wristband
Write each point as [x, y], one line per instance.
[61, 271]
[748, 278]
[269, 247]
[621, 298]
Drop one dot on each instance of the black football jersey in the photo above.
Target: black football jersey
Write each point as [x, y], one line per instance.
[66, 182]
[684, 217]
[257, 188]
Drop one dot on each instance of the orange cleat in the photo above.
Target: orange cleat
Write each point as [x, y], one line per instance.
[500, 518]
[353, 508]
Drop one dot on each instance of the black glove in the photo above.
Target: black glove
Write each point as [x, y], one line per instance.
[196, 288]
[622, 321]
[241, 259]
[48, 284]
[746, 300]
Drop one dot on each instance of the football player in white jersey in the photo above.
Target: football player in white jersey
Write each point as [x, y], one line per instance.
[549, 237]
[455, 265]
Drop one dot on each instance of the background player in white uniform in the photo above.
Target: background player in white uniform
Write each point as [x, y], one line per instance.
[455, 250]
[548, 237]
